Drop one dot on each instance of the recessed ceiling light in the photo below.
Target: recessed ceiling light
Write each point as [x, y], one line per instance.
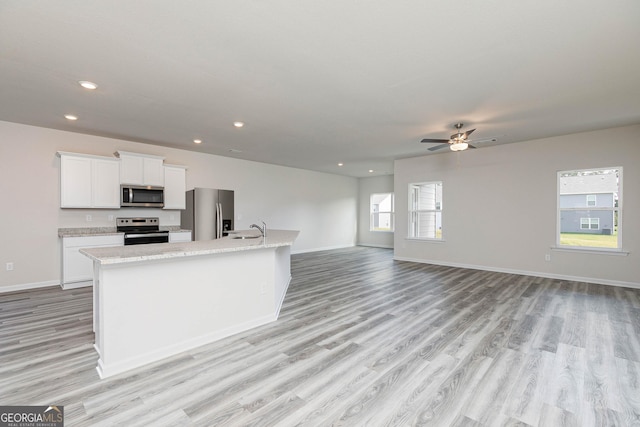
[370, 170]
[70, 117]
[88, 85]
[238, 124]
[197, 141]
[340, 164]
[233, 150]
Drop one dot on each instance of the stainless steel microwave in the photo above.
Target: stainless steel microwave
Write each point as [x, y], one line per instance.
[141, 196]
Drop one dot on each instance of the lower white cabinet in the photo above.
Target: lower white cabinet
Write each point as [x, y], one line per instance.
[179, 236]
[77, 269]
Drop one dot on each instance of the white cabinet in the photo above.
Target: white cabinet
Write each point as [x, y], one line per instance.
[75, 181]
[141, 169]
[77, 269]
[179, 236]
[105, 183]
[175, 186]
[89, 181]
[153, 172]
[131, 170]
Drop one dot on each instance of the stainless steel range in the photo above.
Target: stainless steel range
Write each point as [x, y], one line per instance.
[140, 231]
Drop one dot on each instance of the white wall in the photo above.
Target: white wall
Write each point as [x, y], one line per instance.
[366, 187]
[322, 206]
[499, 206]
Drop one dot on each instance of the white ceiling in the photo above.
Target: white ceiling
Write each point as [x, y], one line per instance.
[320, 82]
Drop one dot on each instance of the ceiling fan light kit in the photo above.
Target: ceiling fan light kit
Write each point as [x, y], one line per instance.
[459, 146]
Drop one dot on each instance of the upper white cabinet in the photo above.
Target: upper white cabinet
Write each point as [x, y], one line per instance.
[131, 170]
[153, 172]
[105, 180]
[89, 181]
[141, 169]
[75, 181]
[175, 185]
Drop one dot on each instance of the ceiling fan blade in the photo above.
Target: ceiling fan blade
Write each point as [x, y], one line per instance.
[471, 146]
[489, 139]
[462, 136]
[438, 141]
[467, 133]
[438, 147]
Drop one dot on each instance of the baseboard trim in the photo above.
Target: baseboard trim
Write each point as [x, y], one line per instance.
[594, 280]
[77, 285]
[27, 286]
[370, 245]
[326, 248]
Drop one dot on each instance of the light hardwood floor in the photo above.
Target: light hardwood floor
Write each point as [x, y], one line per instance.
[361, 340]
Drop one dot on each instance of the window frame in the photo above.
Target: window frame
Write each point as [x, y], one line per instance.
[413, 212]
[391, 213]
[589, 222]
[616, 209]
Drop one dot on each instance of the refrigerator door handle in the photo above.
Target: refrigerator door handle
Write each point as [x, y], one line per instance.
[218, 220]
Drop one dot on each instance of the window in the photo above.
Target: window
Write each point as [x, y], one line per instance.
[381, 212]
[425, 210]
[589, 208]
[589, 223]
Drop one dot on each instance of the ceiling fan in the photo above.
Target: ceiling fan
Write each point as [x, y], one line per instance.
[457, 142]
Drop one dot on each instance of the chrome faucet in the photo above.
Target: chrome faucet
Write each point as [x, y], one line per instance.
[263, 229]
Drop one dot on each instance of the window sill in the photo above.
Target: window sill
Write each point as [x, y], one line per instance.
[424, 239]
[597, 251]
[381, 231]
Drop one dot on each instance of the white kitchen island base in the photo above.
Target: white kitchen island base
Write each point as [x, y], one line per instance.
[151, 308]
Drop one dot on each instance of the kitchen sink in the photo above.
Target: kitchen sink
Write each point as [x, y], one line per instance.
[245, 236]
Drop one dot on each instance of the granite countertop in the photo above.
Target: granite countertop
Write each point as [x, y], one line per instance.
[104, 231]
[160, 251]
[172, 228]
[87, 231]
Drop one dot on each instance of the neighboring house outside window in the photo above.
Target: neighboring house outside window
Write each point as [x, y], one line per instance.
[381, 212]
[589, 203]
[425, 210]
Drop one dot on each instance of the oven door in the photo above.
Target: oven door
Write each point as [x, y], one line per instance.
[145, 238]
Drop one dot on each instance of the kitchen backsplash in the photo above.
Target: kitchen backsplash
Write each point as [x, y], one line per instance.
[70, 218]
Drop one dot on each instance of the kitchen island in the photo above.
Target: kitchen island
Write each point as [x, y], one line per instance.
[154, 301]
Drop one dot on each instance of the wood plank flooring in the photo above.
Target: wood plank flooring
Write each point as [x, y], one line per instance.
[362, 340]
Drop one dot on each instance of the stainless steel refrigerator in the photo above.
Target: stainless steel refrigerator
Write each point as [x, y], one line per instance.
[209, 213]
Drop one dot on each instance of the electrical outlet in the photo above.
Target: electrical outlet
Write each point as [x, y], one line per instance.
[172, 217]
[263, 287]
[547, 257]
[110, 217]
[9, 266]
[89, 218]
